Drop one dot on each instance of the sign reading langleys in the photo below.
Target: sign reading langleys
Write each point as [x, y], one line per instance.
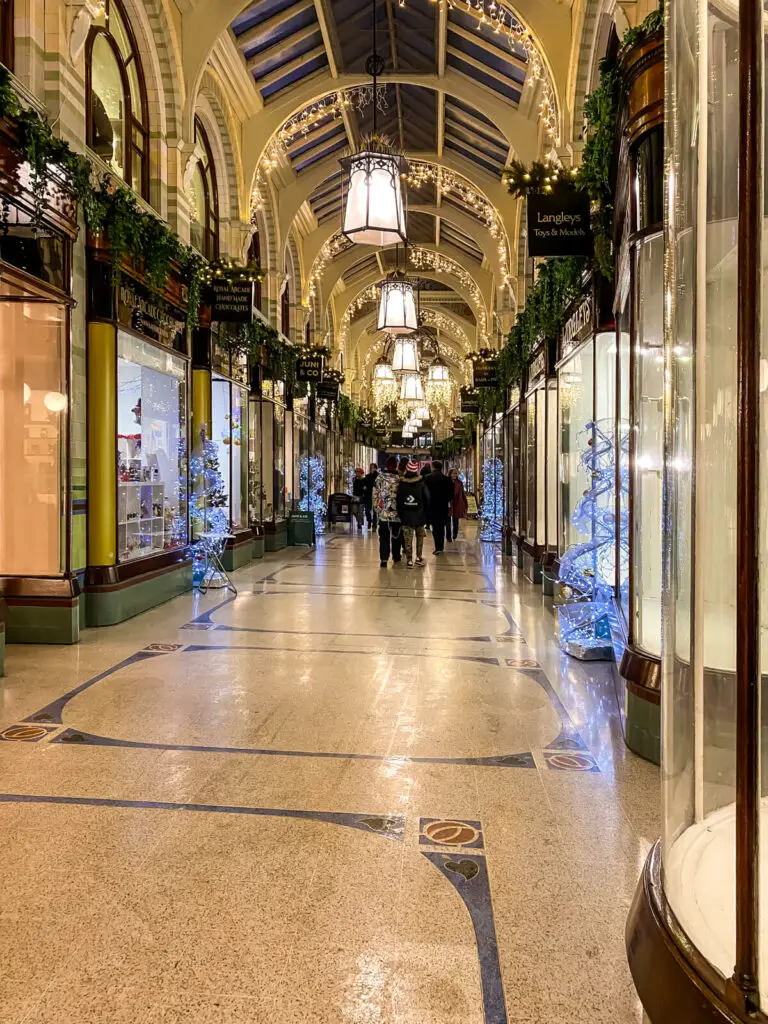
[558, 223]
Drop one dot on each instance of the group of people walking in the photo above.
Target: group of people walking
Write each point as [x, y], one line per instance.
[405, 500]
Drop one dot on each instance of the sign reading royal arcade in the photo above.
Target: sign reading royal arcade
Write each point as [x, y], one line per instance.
[558, 223]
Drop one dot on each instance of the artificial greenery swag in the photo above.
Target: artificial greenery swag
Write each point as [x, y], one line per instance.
[594, 176]
[107, 206]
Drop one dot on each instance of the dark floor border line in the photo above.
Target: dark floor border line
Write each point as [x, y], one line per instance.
[392, 826]
[361, 587]
[494, 662]
[468, 874]
[76, 737]
[490, 586]
[318, 632]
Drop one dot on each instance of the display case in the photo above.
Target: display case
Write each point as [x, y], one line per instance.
[540, 463]
[512, 477]
[697, 934]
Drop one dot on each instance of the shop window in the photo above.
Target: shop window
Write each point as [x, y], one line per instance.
[33, 418]
[33, 248]
[575, 394]
[151, 449]
[229, 414]
[6, 33]
[204, 195]
[118, 122]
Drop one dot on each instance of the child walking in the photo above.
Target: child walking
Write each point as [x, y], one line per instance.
[413, 511]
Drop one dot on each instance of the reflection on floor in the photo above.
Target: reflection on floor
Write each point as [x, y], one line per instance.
[351, 795]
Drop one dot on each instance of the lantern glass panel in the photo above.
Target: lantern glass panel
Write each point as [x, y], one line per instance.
[405, 358]
[374, 213]
[397, 307]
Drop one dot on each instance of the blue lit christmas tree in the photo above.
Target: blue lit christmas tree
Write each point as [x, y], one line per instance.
[208, 503]
[492, 509]
[312, 487]
[588, 569]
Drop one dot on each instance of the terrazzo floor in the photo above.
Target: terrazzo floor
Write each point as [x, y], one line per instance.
[349, 795]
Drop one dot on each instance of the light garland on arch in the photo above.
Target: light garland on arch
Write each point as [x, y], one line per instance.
[428, 259]
[300, 125]
[333, 247]
[450, 183]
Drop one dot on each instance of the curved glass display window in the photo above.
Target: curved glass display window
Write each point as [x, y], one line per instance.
[647, 440]
[529, 468]
[151, 449]
[575, 403]
[254, 461]
[711, 870]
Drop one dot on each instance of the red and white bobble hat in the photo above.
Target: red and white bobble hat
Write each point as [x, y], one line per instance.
[412, 467]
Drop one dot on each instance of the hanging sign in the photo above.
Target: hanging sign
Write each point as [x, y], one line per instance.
[148, 314]
[328, 390]
[485, 373]
[309, 368]
[470, 402]
[231, 301]
[558, 223]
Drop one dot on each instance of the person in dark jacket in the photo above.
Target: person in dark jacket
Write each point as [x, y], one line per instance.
[440, 497]
[358, 494]
[459, 504]
[368, 483]
[412, 509]
[385, 507]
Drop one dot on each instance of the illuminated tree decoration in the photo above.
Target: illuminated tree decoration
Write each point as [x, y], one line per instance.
[312, 487]
[492, 510]
[588, 569]
[208, 505]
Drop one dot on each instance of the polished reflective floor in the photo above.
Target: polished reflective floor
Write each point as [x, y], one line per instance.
[351, 795]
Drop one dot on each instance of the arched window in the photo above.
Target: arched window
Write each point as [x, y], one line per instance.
[118, 122]
[204, 226]
[254, 256]
[285, 310]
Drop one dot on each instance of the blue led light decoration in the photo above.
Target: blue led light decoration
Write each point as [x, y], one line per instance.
[492, 508]
[312, 487]
[208, 503]
[587, 574]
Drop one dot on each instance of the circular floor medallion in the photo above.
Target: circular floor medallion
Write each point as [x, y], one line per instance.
[450, 833]
[572, 762]
[24, 732]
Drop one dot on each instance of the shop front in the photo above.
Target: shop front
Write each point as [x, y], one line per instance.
[229, 434]
[539, 465]
[275, 427]
[42, 552]
[640, 315]
[587, 425]
[138, 472]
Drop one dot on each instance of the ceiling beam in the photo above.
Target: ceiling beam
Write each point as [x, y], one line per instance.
[440, 123]
[285, 69]
[442, 37]
[252, 35]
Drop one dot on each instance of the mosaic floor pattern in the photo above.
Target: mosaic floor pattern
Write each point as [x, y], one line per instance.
[349, 795]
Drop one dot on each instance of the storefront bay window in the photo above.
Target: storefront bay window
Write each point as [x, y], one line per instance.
[34, 411]
[576, 414]
[151, 449]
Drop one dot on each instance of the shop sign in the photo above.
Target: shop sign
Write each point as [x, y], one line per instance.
[578, 326]
[309, 369]
[143, 312]
[470, 402]
[558, 223]
[538, 365]
[232, 301]
[485, 374]
[328, 390]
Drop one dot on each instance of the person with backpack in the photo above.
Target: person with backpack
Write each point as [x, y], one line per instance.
[412, 508]
[440, 497]
[385, 507]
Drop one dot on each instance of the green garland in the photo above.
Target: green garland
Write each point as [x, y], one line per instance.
[594, 176]
[107, 206]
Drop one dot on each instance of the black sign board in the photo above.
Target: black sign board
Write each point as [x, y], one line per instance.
[328, 390]
[148, 314]
[470, 402]
[232, 301]
[484, 373]
[558, 223]
[309, 368]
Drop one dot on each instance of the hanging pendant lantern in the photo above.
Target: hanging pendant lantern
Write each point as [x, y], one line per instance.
[438, 371]
[374, 213]
[397, 306]
[383, 370]
[405, 358]
[411, 388]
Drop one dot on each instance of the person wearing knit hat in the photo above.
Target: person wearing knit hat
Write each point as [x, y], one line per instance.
[413, 511]
[385, 504]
